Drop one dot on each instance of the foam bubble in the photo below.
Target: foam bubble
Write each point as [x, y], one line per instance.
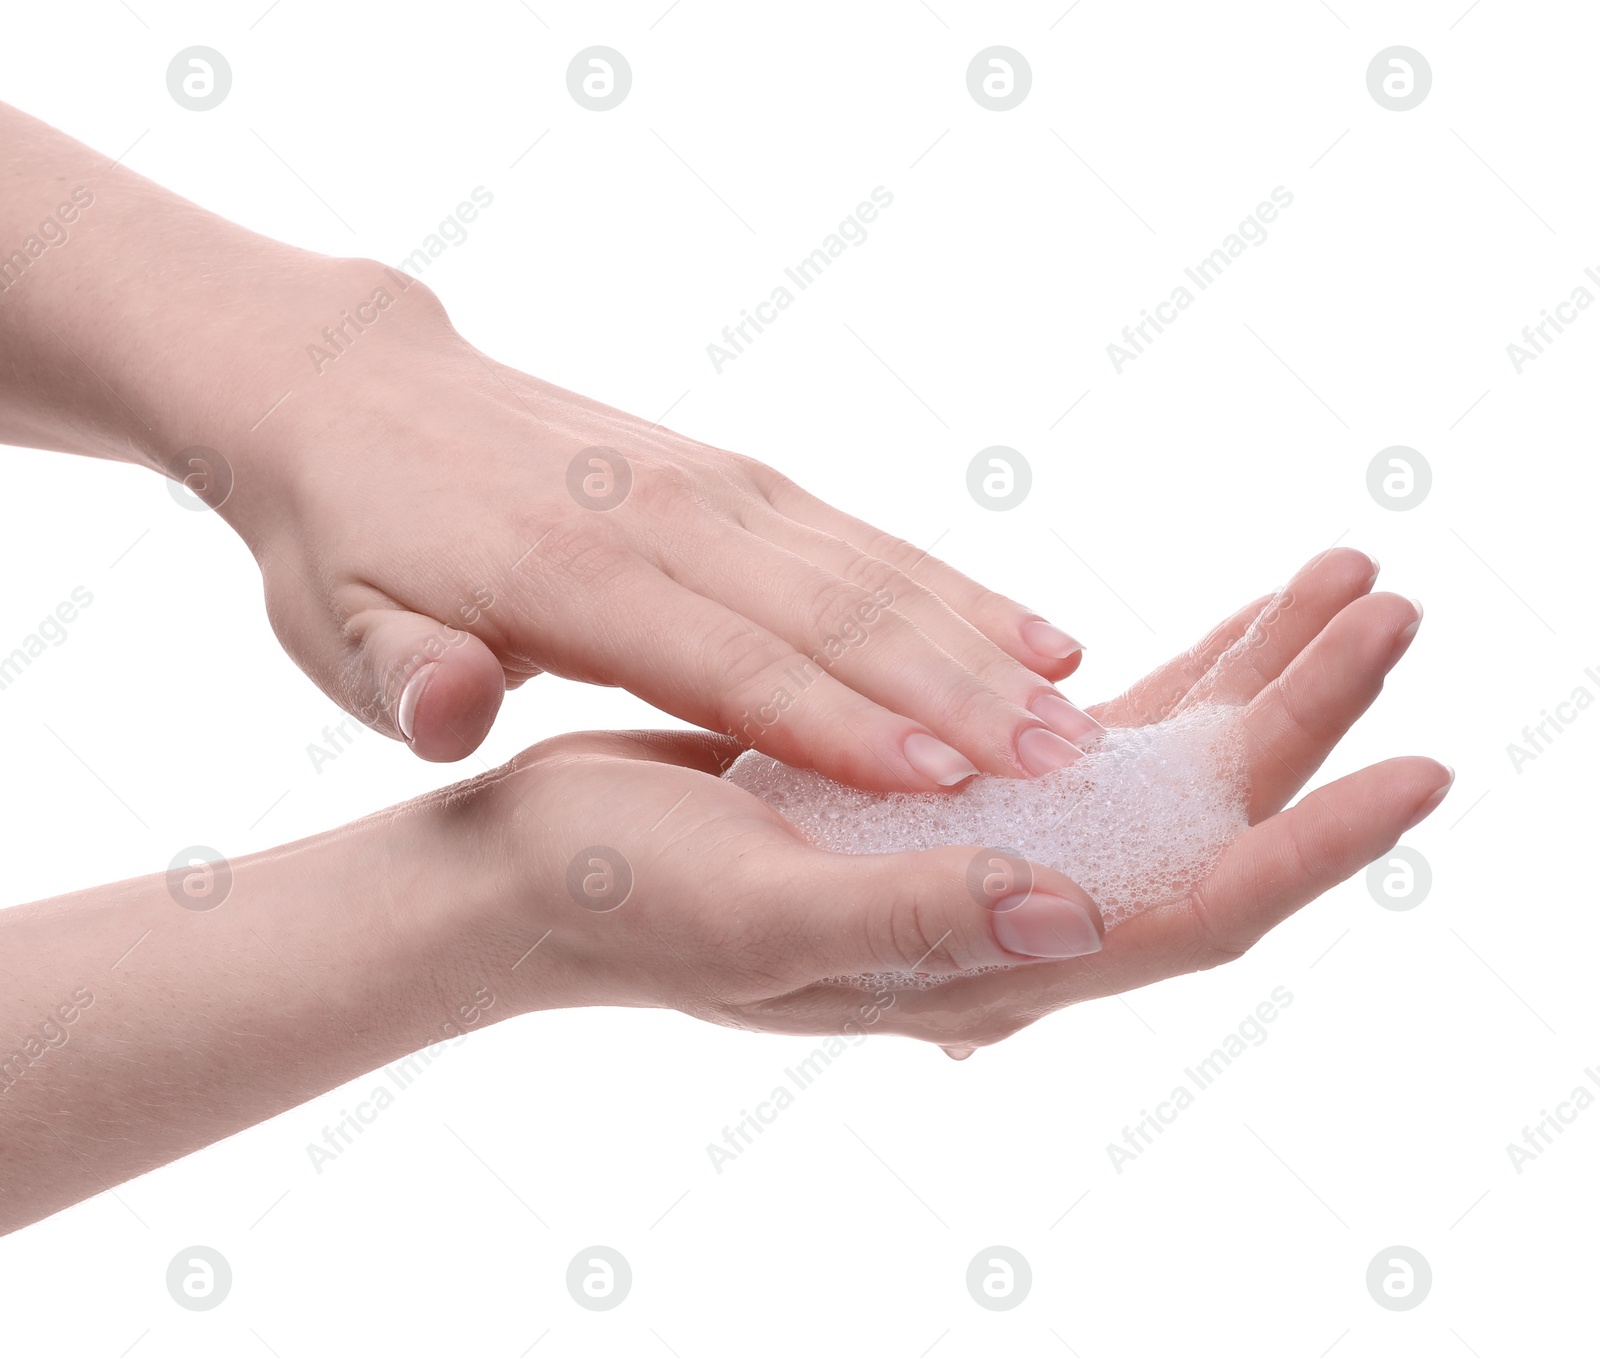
[1137, 822]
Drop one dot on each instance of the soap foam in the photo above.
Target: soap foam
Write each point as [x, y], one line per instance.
[1137, 822]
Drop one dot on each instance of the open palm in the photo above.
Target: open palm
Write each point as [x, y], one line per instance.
[731, 916]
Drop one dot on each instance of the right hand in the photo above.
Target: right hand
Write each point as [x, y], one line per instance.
[434, 527]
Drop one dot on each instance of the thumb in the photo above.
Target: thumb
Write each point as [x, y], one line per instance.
[938, 911]
[413, 678]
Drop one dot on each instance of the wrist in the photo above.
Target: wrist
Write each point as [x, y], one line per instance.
[510, 834]
[441, 939]
[298, 359]
[472, 884]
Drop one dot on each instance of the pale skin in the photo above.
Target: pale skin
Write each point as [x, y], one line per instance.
[422, 549]
[335, 955]
[408, 501]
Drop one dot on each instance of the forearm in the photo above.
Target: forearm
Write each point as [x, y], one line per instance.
[135, 324]
[135, 1029]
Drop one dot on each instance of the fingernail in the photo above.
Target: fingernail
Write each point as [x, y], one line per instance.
[1049, 641]
[410, 696]
[1043, 751]
[932, 758]
[1063, 718]
[1375, 569]
[1040, 925]
[1432, 804]
[957, 1051]
[1404, 636]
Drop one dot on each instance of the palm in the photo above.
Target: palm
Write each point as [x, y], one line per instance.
[1304, 665]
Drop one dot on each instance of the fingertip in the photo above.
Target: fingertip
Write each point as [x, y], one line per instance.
[1408, 633]
[1066, 719]
[1059, 884]
[1432, 792]
[1045, 915]
[1362, 564]
[1048, 650]
[1357, 568]
[940, 911]
[931, 759]
[1404, 616]
[449, 705]
[1041, 751]
[1047, 926]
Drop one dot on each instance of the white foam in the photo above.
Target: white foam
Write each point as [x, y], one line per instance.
[1137, 822]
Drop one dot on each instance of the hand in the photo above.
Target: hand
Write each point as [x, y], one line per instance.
[729, 916]
[619, 869]
[434, 527]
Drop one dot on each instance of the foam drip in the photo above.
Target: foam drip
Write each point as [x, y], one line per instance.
[1137, 822]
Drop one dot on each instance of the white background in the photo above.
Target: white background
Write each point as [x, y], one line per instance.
[1418, 1043]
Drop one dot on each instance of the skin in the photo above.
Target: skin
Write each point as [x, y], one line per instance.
[434, 527]
[332, 956]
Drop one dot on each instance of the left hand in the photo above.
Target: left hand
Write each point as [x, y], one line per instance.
[733, 918]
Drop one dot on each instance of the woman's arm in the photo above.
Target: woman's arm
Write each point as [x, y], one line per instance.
[434, 527]
[130, 318]
[143, 1020]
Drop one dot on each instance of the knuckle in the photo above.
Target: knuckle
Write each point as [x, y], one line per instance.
[772, 943]
[999, 672]
[897, 552]
[919, 936]
[1195, 664]
[877, 577]
[1297, 712]
[582, 557]
[1217, 941]
[988, 607]
[748, 670]
[742, 656]
[756, 474]
[1208, 945]
[967, 705]
[830, 605]
[660, 487]
[887, 547]
[775, 488]
[1240, 663]
[993, 614]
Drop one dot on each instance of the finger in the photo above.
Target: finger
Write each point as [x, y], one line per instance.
[437, 689]
[1019, 632]
[1286, 626]
[932, 912]
[693, 657]
[1278, 866]
[1297, 719]
[404, 674]
[932, 616]
[863, 640]
[1264, 877]
[1155, 696]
